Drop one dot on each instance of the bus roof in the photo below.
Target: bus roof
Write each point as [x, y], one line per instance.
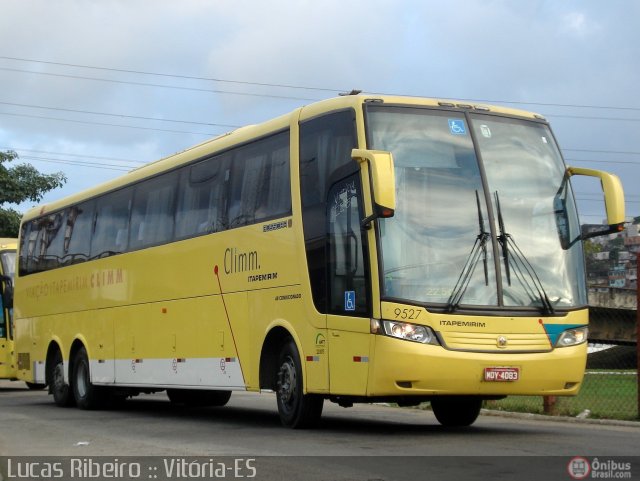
[8, 243]
[244, 134]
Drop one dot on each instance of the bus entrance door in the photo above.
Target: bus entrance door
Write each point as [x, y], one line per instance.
[348, 318]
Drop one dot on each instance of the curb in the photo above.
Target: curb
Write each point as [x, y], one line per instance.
[567, 419]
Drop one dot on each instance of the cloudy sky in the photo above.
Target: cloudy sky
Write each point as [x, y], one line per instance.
[92, 88]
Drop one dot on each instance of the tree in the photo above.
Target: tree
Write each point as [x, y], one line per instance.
[18, 184]
[594, 267]
[591, 248]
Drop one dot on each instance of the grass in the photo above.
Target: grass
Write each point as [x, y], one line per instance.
[608, 394]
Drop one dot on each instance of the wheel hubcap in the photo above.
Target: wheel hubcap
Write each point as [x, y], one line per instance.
[287, 381]
[58, 376]
[81, 380]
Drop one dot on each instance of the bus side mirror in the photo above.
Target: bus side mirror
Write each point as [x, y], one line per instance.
[613, 199]
[7, 292]
[382, 179]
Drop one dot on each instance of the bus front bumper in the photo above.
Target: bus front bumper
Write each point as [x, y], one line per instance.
[404, 368]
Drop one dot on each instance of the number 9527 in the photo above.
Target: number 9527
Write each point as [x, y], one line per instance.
[407, 313]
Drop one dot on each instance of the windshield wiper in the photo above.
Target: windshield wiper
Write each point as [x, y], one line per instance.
[503, 239]
[485, 236]
[479, 249]
[521, 266]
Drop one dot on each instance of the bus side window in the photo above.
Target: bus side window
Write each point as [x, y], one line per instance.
[23, 261]
[54, 240]
[3, 321]
[33, 244]
[236, 215]
[276, 198]
[260, 186]
[77, 233]
[201, 202]
[272, 179]
[6, 295]
[153, 212]
[112, 224]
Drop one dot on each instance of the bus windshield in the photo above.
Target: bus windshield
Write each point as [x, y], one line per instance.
[8, 261]
[485, 216]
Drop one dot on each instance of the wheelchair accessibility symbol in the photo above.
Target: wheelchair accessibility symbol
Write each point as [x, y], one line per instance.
[350, 300]
[456, 127]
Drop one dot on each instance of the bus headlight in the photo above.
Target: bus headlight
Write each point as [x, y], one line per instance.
[573, 337]
[409, 332]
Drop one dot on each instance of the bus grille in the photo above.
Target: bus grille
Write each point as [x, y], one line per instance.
[483, 342]
[24, 361]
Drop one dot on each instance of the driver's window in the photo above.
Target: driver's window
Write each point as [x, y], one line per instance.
[347, 273]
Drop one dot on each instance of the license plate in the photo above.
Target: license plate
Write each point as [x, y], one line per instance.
[501, 374]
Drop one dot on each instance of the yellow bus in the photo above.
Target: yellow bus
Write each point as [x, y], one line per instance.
[8, 369]
[359, 249]
[7, 269]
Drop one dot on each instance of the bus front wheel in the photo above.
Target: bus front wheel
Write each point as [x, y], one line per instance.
[296, 409]
[456, 411]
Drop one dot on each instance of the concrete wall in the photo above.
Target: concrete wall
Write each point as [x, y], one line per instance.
[614, 298]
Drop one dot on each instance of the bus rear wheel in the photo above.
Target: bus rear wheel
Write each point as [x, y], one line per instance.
[297, 410]
[61, 391]
[87, 395]
[456, 411]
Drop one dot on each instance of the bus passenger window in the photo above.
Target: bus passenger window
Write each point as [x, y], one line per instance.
[54, 236]
[152, 213]
[201, 203]
[77, 233]
[274, 192]
[30, 254]
[23, 261]
[260, 186]
[2, 318]
[238, 216]
[112, 224]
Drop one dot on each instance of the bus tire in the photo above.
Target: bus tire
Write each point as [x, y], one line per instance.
[198, 398]
[62, 393]
[297, 410]
[86, 394]
[456, 411]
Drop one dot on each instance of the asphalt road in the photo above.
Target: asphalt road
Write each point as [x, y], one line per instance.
[368, 442]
